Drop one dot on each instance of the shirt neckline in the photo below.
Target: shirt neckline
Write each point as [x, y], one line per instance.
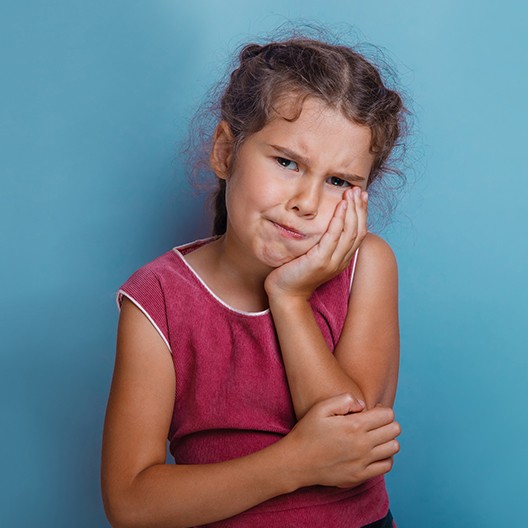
[201, 242]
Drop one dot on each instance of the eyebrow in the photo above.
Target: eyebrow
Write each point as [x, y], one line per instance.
[306, 161]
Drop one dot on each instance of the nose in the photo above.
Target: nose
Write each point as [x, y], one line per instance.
[305, 200]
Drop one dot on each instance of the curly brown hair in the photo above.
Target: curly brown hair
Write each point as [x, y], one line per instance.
[336, 74]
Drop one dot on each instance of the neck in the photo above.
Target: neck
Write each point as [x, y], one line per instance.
[243, 274]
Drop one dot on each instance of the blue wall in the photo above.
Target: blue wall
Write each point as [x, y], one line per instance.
[94, 97]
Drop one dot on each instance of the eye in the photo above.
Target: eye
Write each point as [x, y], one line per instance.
[284, 162]
[334, 181]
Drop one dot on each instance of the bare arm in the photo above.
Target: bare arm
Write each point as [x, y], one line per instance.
[366, 359]
[369, 348]
[139, 489]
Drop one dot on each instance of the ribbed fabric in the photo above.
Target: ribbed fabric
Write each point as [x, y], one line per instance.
[232, 395]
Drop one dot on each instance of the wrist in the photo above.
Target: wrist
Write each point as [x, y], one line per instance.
[296, 473]
[277, 290]
[286, 301]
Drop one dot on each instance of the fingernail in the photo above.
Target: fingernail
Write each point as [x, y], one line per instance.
[362, 402]
[365, 196]
[357, 191]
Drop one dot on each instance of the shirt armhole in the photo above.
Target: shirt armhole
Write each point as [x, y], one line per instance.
[119, 300]
[353, 270]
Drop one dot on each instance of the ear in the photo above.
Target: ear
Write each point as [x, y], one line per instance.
[222, 150]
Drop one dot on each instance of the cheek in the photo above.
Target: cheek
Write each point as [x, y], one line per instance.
[250, 190]
[326, 213]
[239, 197]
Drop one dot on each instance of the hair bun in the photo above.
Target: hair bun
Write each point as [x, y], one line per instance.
[250, 51]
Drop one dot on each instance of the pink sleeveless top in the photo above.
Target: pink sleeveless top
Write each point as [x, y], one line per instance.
[232, 395]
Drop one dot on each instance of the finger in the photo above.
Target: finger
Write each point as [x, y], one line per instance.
[331, 236]
[352, 220]
[377, 417]
[384, 434]
[386, 450]
[340, 405]
[360, 227]
[349, 233]
[380, 467]
[362, 214]
[356, 225]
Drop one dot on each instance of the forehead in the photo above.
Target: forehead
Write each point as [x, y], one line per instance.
[313, 127]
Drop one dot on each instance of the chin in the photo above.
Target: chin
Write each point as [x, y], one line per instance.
[280, 262]
[274, 259]
[275, 253]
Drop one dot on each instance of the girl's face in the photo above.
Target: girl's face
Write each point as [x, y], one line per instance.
[288, 179]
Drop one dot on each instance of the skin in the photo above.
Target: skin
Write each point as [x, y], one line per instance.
[264, 186]
[346, 431]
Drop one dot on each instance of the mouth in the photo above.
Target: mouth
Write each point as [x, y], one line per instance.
[288, 231]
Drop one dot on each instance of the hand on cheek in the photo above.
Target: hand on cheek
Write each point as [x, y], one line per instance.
[354, 226]
[330, 256]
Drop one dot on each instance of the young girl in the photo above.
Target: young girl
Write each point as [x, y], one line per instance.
[268, 354]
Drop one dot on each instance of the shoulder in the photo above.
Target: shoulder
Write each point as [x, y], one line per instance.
[165, 263]
[149, 288]
[149, 277]
[159, 269]
[376, 267]
[376, 250]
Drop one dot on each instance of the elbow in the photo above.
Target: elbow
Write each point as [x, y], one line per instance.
[115, 513]
[385, 398]
[125, 508]
[379, 395]
[119, 510]
[119, 518]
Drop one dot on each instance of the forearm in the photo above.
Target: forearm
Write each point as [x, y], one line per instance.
[312, 370]
[168, 495]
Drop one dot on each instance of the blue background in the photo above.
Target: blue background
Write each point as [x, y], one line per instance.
[94, 98]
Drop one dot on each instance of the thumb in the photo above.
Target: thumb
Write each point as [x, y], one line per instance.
[341, 405]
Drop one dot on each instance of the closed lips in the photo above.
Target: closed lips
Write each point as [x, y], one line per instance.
[290, 230]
